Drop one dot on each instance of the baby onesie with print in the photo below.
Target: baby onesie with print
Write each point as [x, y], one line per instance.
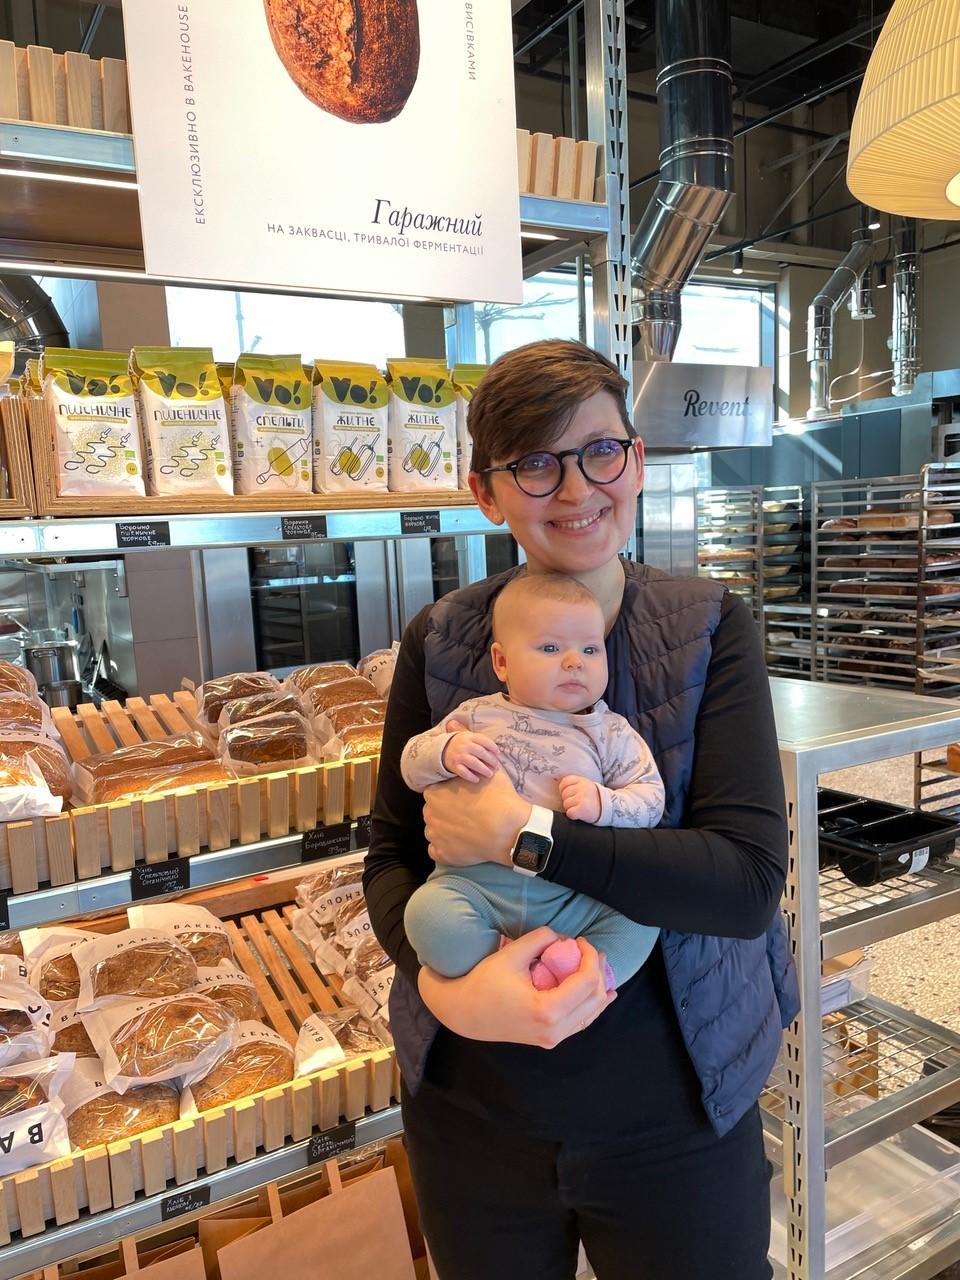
[460, 915]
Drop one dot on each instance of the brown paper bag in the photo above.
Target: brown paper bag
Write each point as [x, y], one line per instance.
[354, 1233]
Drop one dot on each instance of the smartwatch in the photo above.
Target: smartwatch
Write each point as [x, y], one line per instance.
[534, 842]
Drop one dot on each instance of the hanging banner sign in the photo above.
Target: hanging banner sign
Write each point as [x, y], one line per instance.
[362, 146]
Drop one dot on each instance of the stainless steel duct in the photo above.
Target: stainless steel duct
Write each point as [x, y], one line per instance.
[28, 318]
[820, 317]
[696, 166]
[906, 265]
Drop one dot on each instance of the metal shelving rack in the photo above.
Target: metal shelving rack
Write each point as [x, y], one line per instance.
[558, 231]
[786, 582]
[730, 542]
[821, 729]
[885, 590]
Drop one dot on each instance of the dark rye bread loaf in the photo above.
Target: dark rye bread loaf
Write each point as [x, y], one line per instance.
[357, 59]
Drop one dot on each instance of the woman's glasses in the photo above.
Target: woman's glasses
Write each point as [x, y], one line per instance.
[540, 474]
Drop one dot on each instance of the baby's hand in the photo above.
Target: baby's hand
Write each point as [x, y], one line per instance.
[471, 756]
[580, 798]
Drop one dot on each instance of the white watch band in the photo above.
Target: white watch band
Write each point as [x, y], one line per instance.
[540, 821]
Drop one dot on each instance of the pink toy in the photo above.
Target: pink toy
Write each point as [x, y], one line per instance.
[559, 961]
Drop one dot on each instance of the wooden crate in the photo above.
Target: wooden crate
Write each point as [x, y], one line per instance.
[91, 840]
[291, 989]
[17, 498]
[71, 89]
[50, 503]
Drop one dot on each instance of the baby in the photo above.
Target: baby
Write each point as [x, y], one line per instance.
[561, 748]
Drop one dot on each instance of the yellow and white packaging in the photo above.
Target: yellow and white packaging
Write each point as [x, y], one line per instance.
[422, 427]
[349, 428]
[271, 425]
[466, 379]
[96, 438]
[184, 420]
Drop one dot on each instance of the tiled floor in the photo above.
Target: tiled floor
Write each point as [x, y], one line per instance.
[918, 970]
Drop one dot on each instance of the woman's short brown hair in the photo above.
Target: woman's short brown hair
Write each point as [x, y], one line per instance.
[529, 395]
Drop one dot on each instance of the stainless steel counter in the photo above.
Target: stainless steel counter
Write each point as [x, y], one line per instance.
[823, 727]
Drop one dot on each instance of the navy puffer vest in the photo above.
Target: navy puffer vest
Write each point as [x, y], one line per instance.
[732, 997]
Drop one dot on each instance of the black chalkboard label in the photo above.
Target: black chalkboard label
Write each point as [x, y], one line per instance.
[419, 521]
[325, 842]
[181, 1202]
[332, 1143]
[303, 528]
[363, 831]
[143, 533]
[4, 909]
[151, 879]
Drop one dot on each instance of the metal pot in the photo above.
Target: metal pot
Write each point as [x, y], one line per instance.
[51, 663]
[62, 693]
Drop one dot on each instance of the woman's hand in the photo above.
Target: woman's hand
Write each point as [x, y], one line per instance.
[470, 822]
[497, 1001]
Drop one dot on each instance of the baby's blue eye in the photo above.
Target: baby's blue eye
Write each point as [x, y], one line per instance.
[590, 650]
[549, 648]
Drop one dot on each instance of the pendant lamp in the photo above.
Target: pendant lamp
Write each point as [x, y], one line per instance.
[904, 152]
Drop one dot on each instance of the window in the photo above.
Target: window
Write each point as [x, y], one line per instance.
[725, 324]
[331, 328]
[549, 310]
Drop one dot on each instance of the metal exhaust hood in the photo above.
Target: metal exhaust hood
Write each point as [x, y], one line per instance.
[679, 408]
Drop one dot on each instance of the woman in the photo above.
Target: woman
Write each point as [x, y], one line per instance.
[628, 1120]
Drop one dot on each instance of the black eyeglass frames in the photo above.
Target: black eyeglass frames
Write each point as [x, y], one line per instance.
[540, 474]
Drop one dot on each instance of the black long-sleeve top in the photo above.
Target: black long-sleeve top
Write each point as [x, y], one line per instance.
[722, 873]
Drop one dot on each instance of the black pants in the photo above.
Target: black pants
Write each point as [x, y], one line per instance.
[495, 1206]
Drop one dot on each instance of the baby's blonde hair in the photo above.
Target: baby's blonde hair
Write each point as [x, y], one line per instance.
[540, 586]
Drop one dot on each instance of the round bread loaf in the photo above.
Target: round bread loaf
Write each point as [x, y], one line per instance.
[74, 1039]
[239, 1000]
[20, 711]
[17, 679]
[19, 1093]
[207, 949]
[170, 1037]
[60, 979]
[13, 1022]
[48, 758]
[160, 967]
[250, 1068]
[111, 1116]
[357, 59]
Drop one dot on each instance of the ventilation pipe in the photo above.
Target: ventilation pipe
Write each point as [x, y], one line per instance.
[694, 82]
[906, 360]
[847, 276]
[28, 318]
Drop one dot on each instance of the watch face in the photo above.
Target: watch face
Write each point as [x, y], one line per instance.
[532, 850]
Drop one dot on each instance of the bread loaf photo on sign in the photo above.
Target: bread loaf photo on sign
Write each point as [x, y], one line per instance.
[357, 59]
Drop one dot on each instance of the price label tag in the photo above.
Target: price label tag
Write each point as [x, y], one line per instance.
[151, 879]
[363, 831]
[419, 521]
[332, 1143]
[325, 842]
[181, 1202]
[143, 533]
[4, 909]
[303, 528]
